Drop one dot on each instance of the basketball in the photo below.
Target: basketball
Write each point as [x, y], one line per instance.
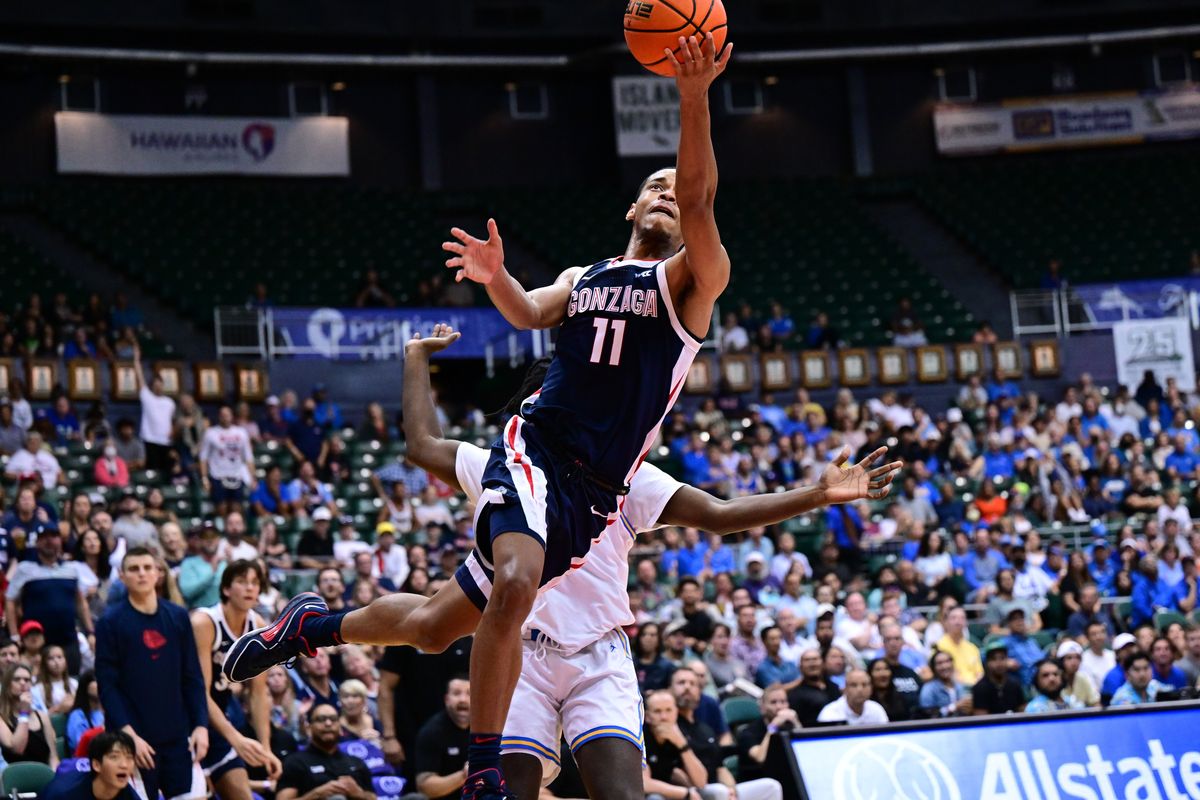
[652, 26]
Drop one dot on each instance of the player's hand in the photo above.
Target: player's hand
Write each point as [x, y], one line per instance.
[842, 484]
[393, 751]
[476, 259]
[252, 751]
[200, 742]
[143, 753]
[442, 337]
[697, 64]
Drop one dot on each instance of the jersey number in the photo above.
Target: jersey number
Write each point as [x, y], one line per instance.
[618, 329]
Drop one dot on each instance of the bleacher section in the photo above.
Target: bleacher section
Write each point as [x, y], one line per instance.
[1111, 217]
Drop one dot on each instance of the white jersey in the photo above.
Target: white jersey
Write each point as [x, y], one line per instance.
[589, 602]
[226, 451]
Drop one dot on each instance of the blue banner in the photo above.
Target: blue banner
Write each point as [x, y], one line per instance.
[1149, 753]
[354, 334]
[1131, 300]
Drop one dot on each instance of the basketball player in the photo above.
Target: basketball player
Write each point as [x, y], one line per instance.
[602, 715]
[216, 628]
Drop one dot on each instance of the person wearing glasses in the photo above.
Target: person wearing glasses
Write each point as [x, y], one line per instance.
[322, 770]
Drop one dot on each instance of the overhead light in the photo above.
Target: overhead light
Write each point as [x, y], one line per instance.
[338, 86]
[771, 80]
[64, 78]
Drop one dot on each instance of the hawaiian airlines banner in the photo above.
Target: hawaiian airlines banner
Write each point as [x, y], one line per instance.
[1037, 123]
[110, 144]
[1148, 753]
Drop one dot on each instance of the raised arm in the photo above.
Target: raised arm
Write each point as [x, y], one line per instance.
[690, 507]
[427, 448]
[483, 262]
[700, 272]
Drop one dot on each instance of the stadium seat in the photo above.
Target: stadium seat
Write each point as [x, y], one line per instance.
[1164, 618]
[26, 779]
[739, 711]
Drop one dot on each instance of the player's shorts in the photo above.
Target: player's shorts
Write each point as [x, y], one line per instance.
[589, 695]
[529, 488]
[220, 758]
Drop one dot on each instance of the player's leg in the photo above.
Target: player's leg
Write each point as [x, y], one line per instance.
[611, 769]
[174, 768]
[305, 624]
[496, 654]
[523, 774]
[232, 784]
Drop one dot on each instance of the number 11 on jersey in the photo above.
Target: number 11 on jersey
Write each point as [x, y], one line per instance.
[618, 329]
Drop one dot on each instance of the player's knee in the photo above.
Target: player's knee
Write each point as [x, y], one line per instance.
[515, 589]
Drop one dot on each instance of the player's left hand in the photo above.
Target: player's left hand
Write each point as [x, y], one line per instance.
[698, 64]
[199, 742]
[843, 484]
[439, 339]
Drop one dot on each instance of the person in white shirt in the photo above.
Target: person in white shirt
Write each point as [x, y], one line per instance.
[1172, 508]
[347, 545]
[1098, 660]
[158, 415]
[1069, 407]
[226, 463]
[233, 547]
[787, 557]
[390, 561]
[855, 706]
[793, 642]
[308, 493]
[856, 626]
[32, 460]
[22, 411]
[734, 338]
[433, 509]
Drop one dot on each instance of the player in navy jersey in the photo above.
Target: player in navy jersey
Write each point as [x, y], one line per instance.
[216, 628]
[628, 330]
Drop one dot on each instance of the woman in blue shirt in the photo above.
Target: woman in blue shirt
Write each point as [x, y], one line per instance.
[87, 713]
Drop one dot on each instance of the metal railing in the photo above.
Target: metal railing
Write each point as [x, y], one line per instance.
[1062, 312]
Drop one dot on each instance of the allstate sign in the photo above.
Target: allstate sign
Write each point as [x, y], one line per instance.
[1149, 754]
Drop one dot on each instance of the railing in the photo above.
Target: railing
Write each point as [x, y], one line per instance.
[1097, 307]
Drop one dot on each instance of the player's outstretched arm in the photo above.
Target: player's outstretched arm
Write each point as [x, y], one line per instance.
[483, 262]
[427, 448]
[704, 262]
[692, 508]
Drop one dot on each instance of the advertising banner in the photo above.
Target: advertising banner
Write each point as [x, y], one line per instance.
[1097, 756]
[1163, 346]
[110, 144]
[1152, 299]
[1037, 123]
[646, 112]
[355, 334]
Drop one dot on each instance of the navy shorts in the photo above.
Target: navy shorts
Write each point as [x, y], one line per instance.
[529, 489]
[172, 773]
[221, 757]
[223, 492]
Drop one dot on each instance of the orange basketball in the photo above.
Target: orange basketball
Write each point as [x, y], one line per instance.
[651, 26]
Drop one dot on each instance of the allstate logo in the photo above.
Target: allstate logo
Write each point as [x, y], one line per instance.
[326, 327]
[893, 768]
[258, 139]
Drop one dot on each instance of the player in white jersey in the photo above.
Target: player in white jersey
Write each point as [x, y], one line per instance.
[574, 630]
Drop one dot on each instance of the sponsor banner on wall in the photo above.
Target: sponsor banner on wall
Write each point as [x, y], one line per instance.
[1101, 756]
[356, 334]
[1163, 346]
[1124, 300]
[111, 144]
[646, 113]
[1036, 123]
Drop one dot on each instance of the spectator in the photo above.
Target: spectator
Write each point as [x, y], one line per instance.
[725, 669]
[23, 523]
[1139, 686]
[149, 677]
[746, 647]
[821, 334]
[110, 757]
[66, 424]
[307, 494]
[1023, 652]
[53, 689]
[306, 436]
[1048, 691]
[26, 734]
[906, 327]
[357, 720]
[780, 323]
[1163, 655]
[47, 591]
[906, 682]
[129, 448]
[372, 294]
[314, 686]
[158, 413]
[442, 744]
[855, 706]
[883, 692]
[130, 525]
[981, 566]
[1076, 684]
[12, 435]
[671, 760]
[332, 588]
[273, 428]
[754, 738]
[87, 713]
[306, 771]
[375, 427]
[316, 544]
[1189, 662]
[200, 574]
[967, 666]
[110, 469]
[734, 338]
[997, 692]
[226, 463]
[773, 668]
[233, 546]
[403, 471]
[814, 692]
[1097, 659]
[389, 561]
[271, 497]
[1089, 611]
[34, 462]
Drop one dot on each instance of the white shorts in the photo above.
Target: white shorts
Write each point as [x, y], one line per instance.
[592, 694]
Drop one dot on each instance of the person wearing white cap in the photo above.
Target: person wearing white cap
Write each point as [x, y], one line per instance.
[1075, 683]
[1123, 645]
[316, 545]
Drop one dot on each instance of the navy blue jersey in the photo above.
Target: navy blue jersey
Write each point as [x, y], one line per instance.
[621, 358]
[223, 639]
